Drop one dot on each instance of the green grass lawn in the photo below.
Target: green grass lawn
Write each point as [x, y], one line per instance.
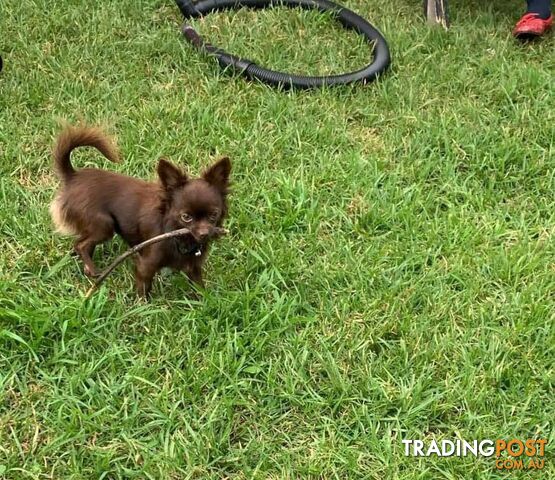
[390, 273]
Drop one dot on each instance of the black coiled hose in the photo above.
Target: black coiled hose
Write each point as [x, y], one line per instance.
[248, 68]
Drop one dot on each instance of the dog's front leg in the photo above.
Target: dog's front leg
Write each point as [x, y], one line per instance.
[194, 272]
[146, 266]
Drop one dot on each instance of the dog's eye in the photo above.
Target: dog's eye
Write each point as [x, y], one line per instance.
[214, 216]
[186, 218]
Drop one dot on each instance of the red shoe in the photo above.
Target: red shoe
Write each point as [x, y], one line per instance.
[531, 25]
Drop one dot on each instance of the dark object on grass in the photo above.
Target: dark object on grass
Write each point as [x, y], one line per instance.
[0, 63]
[437, 12]
[249, 69]
[217, 232]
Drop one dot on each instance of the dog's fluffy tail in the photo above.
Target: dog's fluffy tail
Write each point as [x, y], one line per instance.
[81, 136]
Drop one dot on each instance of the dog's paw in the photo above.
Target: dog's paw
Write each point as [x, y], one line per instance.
[91, 272]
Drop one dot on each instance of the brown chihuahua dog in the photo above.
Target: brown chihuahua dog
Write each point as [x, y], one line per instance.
[94, 204]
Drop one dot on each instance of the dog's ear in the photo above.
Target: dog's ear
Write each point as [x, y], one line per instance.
[218, 174]
[170, 176]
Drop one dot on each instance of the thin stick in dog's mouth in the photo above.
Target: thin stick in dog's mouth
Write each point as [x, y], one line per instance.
[216, 232]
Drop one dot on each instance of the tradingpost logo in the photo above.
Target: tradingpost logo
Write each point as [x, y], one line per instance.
[512, 454]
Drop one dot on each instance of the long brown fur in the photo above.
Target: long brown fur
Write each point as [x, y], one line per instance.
[84, 136]
[94, 204]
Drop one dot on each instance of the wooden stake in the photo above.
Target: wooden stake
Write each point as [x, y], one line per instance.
[437, 12]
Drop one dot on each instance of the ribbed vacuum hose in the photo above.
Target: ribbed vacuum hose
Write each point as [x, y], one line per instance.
[346, 17]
